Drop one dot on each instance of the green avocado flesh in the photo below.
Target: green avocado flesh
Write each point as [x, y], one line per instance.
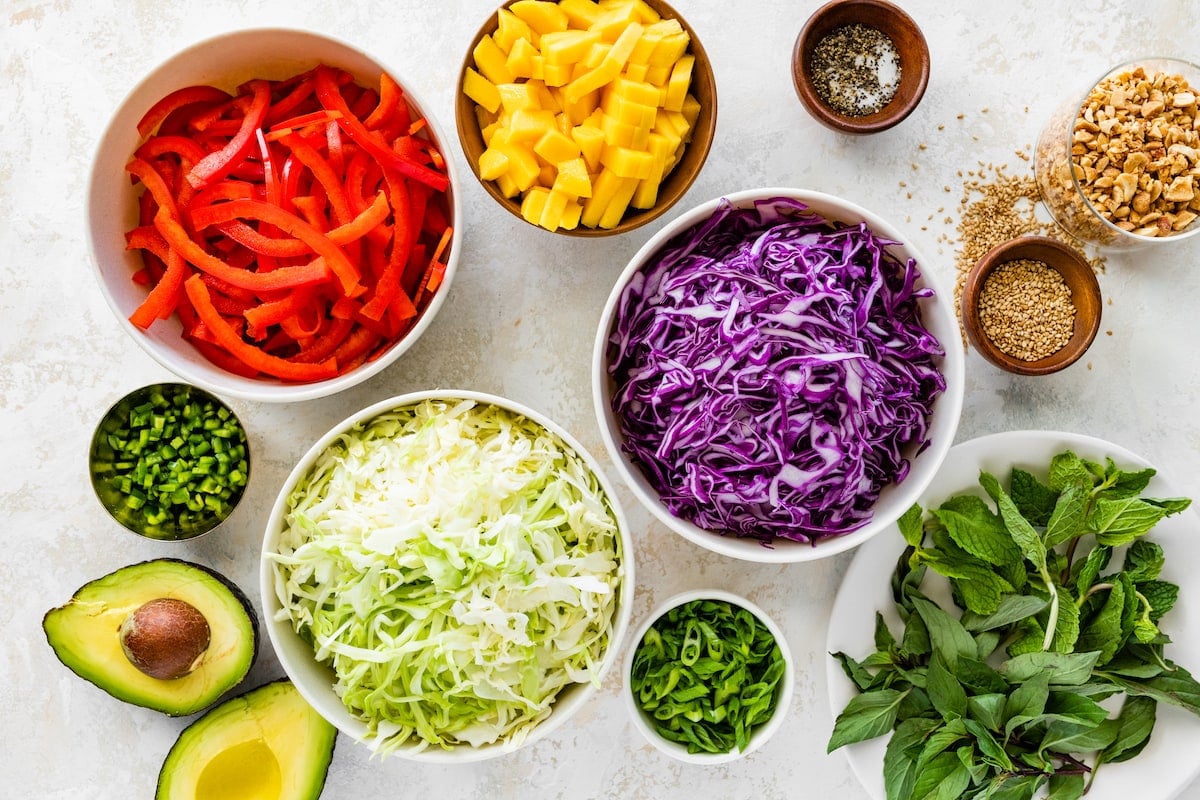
[84, 634]
[267, 744]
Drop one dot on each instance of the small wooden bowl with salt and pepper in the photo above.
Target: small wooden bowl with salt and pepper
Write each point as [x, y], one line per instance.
[860, 66]
[1031, 305]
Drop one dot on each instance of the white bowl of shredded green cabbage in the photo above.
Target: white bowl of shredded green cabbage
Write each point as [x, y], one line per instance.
[447, 576]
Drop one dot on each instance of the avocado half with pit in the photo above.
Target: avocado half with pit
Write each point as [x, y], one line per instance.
[166, 634]
[267, 744]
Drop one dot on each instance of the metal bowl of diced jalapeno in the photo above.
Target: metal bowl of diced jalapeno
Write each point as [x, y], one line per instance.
[169, 461]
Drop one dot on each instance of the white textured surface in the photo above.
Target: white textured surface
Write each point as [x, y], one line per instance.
[520, 322]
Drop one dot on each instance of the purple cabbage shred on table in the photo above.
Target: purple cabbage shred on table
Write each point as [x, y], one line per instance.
[771, 369]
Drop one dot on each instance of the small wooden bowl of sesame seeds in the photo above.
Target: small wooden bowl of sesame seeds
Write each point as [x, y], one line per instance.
[860, 66]
[1031, 305]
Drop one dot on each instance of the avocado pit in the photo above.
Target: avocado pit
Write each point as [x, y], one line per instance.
[165, 638]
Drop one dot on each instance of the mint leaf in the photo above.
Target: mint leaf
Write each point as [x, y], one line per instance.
[1018, 527]
[1127, 483]
[910, 525]
[1012, 608]
[1027, 702]
[991, 750]
[979, 677]
[1067, 706]
[1065, 787]
[900, 757]
[1176, 688]
[947, 635]
[1121, 521]
[1068, 469]
[1034, 499]
[1070, 737]
[945, 692]
[1061, 669]
[1160, 595]
[1143, 561]
[866, 716]
[943, 778]
[1103, 632]
[1134, 726]
[1097, 559]
[977, 529]
[987, 710]
[1022, 787]
[1066, 634]
[1067, 520]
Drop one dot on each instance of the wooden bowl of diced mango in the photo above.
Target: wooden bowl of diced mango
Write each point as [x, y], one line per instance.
[586, 117]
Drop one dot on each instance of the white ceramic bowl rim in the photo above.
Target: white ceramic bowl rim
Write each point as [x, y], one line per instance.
[313, 680]
[938, 316]
[235, 54]
[763, 732]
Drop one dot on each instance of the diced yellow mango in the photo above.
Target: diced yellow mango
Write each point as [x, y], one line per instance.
[636, 72]
[628, 111]
[614, 20]
[528, 125]
[563, 123]
[557, 74]
[523, 166]
[645, 14]
[591, 144]
[490, 60]
[596, 54]
[592, 80]
[664, 27]
[663, 153]
[492, 164]
[690, 110]
[489, 132]
[679, 83]
[637, 91]
[628, 163]
[619, 134]
[658, 76]
[484, 117]
[565, 47]
[546, 175]
[579, 110]
[555, 147]
[533, 204]
[520, 58]
[570, 217]
[669, 50]
[507, 186]
[619, 203]
[573, 178]
[580, 13]
[541, 15]
[481, 90]
[546, 98]
[604, 188]
[680, 124]
[516, 96]
[623, 46]
[553, 210]
[510, 28]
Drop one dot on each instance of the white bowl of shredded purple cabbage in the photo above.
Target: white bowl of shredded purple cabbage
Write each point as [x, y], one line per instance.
[778, 375]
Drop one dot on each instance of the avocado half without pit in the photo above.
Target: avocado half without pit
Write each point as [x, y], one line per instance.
[166, 634]
[267, 744]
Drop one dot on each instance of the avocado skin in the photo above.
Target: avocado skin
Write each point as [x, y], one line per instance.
[230, 586]
[316, 761]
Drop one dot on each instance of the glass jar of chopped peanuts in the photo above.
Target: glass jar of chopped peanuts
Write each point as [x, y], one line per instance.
[1119, 165]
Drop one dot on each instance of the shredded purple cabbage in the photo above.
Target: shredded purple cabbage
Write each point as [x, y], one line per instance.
[770, 370]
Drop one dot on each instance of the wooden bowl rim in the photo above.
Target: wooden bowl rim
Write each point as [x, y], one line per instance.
[1085, 294]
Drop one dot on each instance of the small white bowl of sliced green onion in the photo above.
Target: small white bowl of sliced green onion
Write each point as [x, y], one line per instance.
[709, 677]
[169, 461]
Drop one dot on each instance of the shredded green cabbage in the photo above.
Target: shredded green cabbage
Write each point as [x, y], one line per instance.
[457, 565]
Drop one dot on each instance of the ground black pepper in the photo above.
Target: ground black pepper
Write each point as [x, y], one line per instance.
[855, 69]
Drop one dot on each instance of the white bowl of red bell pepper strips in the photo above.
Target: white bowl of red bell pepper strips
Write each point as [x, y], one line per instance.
[272, 216]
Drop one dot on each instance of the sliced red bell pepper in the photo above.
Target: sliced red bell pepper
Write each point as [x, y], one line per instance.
[316, 271]
[187, 96]
[250, 355]
[346, 272]
[331, 97]
[217, 165]
[323, 172]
